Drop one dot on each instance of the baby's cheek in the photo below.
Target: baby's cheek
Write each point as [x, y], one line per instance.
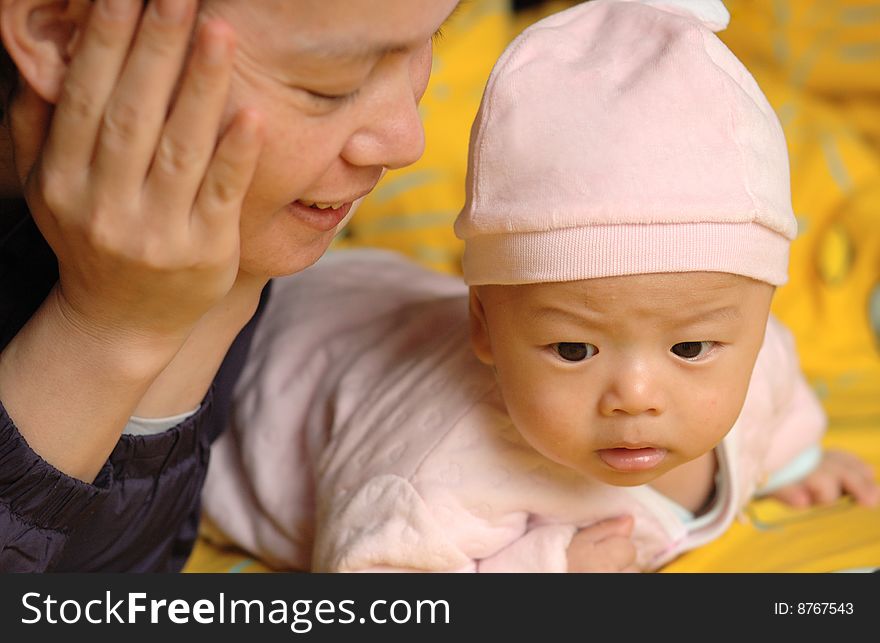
[712, 416]
[721, 412]
[720, 397]
[546, 423]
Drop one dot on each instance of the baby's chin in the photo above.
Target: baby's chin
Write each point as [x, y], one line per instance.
[630, 479]
[605, 474]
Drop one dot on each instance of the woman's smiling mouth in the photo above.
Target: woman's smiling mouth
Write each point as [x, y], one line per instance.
[320, 216]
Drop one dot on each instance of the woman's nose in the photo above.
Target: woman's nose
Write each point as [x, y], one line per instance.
[391, 134]
[632, 390]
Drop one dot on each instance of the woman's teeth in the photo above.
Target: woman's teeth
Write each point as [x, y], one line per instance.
[323, 206]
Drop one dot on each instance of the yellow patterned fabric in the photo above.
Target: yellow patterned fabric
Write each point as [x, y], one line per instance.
[819, 64]
[818, 61]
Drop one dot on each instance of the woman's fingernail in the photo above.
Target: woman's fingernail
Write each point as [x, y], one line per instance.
[215, 44]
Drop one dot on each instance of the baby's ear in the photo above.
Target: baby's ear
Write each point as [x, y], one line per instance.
[480, 343]
[39, 36]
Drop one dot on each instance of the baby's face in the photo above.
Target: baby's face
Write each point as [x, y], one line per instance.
[623, 378]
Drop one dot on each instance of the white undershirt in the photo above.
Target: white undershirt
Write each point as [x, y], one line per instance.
[153, 426]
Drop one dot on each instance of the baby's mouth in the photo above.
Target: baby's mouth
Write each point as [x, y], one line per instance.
[626, 459]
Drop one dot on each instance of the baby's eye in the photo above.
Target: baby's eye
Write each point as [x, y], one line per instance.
[574, 351]
[692, 350]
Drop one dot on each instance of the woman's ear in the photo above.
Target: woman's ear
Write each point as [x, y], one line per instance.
[480, 343]
[39, 36]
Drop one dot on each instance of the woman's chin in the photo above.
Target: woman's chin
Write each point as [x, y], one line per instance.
[285, 260]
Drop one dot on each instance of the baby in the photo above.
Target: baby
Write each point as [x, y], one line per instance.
[615, 390]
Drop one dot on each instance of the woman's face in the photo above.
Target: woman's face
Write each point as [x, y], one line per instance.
[337, 83]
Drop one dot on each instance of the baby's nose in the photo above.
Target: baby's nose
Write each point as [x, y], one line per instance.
[632, 391]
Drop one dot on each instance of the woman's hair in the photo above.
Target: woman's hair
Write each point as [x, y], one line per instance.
[8, 80]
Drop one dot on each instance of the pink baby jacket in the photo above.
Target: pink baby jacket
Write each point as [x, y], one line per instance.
[367, 437]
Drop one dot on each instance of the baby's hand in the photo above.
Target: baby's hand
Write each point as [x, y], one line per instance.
[838, 473]
[603, 547]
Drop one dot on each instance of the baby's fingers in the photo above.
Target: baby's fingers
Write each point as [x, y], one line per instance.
[617, 526]
[863, 488]
[603, 547]
[840, 473]
[619, 552]
[824, 486]
[611, 555]
[795, 495]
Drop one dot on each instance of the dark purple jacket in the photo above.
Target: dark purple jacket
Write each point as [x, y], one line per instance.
[142, 512]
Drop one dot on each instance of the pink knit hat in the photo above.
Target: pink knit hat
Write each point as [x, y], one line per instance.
[622, 137]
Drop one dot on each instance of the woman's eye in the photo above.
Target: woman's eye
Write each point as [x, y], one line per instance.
[575, 351]
[692, 350]
[331, 98]
[347, 96]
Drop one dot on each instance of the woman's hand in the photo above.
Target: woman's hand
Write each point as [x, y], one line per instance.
[603, 547]
[133, 191]
[139, 197]
[839, 473]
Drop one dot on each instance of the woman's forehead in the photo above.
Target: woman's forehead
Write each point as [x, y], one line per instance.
[332, 27]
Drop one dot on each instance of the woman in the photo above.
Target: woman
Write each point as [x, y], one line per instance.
[166, 236]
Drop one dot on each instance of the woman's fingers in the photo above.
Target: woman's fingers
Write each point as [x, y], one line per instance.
[228, 177]
[89, 83]
[190, 136]
[138, 108]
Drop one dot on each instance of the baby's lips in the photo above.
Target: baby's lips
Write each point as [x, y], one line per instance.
[632, 460]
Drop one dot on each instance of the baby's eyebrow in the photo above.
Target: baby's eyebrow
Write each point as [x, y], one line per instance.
[724, 313]
[543, 313]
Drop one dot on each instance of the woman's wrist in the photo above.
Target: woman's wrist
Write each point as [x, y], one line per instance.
[184, 382]
[70, 388]
[137, 352]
